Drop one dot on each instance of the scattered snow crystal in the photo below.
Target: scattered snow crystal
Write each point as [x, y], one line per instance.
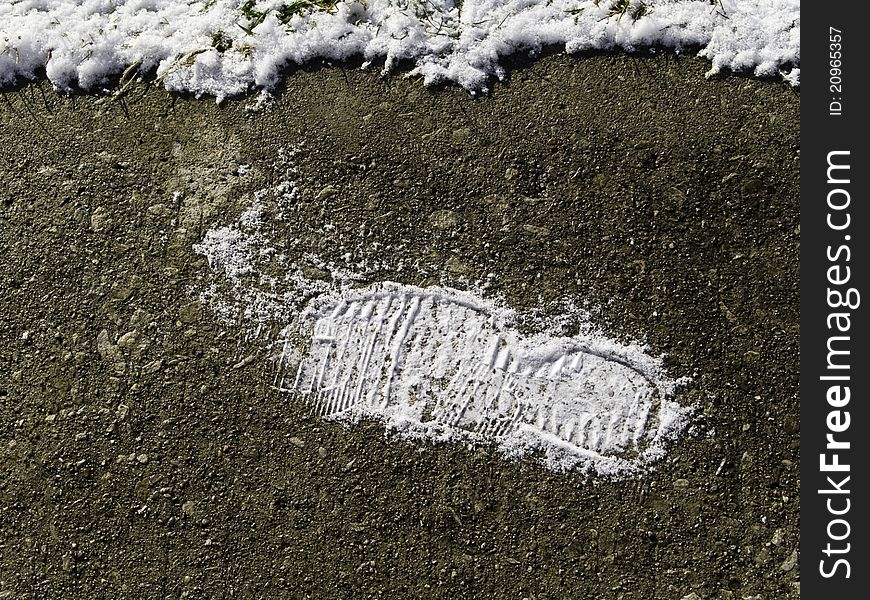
[223, 47]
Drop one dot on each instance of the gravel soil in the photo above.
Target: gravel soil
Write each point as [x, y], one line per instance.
[144, 454]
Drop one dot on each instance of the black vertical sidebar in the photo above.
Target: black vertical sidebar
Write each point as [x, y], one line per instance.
[835, 227]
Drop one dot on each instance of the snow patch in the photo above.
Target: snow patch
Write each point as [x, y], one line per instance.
[444, 364]
[437, 363]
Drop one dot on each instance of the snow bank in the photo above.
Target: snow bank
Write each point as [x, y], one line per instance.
[224, 47]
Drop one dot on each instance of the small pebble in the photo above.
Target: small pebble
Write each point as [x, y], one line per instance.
[326, 192]
[791, 562]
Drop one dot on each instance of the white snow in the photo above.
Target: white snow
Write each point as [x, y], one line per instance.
[445, 364]
[245, 253]
[225, 47]
[436, 363]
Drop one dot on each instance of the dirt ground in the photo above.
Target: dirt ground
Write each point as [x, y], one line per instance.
[141, 458]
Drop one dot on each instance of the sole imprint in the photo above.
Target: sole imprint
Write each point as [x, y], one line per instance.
[440, 362]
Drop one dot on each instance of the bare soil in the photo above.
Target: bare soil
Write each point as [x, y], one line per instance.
[140, 459]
